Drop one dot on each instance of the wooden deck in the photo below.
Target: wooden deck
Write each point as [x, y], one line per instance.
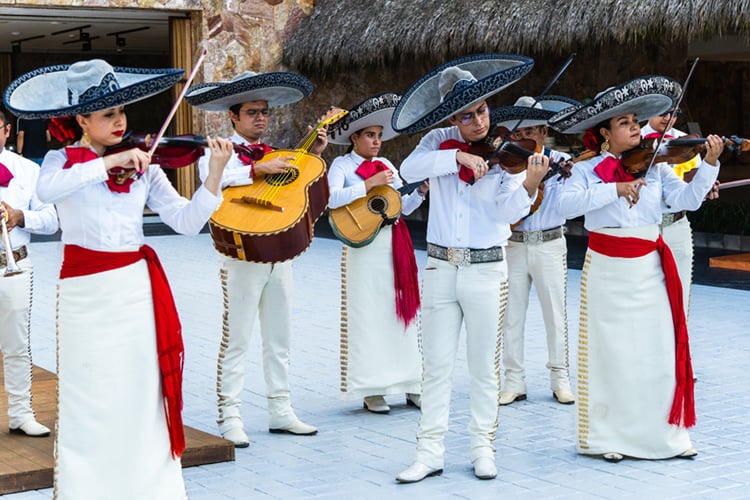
[26, 463]
[738, 262]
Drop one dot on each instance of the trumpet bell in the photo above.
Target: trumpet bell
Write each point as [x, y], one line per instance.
[11, 270]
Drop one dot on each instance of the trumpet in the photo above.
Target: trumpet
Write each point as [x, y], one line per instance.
[11, 267]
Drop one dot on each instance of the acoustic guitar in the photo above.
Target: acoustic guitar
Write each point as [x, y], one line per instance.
[272, 219]
[359, 222]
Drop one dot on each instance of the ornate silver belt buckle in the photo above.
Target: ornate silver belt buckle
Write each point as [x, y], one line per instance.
[459, 257]
[534, 237]
[667, 219]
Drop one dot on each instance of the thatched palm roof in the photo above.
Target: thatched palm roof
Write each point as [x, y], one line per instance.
[343, 33]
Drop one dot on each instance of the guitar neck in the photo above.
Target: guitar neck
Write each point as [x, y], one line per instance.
[408, 188]
[333, 115]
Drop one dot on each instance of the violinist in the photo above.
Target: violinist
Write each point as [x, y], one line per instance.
[675, 226]
[251, 289]
[465, 278]
[635, 380]
[537, 253]
[380, 286]
[119, 343]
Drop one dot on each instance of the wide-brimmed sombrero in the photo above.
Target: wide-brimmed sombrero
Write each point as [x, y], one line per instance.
[646, 96]
[277, 88]
[456, 85]
[83, 87]
[373, 111]
[530, 111]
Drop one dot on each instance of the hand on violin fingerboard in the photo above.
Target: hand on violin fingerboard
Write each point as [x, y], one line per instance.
[630, 190]
[713, 194]
[714, 147]
[537, 166]
[221, 152]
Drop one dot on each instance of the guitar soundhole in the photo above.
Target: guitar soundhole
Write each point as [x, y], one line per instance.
[282, 179]
[377, 204]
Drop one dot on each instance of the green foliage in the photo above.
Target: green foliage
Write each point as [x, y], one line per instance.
[724, 218]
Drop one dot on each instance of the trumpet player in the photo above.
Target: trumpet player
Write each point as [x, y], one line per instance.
[22, 214]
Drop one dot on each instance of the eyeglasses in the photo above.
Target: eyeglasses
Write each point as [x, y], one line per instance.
[673, 113]
[467, 118]
[251, 112]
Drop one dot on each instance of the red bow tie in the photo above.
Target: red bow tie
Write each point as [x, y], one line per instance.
[5, 176]
[611, 170]
[82, 155]
[464, 173]
[656, 135]
[367, 168]
[246, 158]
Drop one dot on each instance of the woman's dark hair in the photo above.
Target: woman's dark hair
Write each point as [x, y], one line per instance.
[592, 138]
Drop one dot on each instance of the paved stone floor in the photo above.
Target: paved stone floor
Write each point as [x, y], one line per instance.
[357, 454]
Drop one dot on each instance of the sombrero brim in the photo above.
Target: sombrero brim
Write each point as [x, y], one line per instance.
[374, 111]
[43, 93]
[509, 116]
[647, 97]
[277, 88]
[420, 108]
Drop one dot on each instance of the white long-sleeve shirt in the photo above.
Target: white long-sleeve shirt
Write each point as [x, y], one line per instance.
[39, 218]
[585, 193]
[462, 215]
[346, 185]
[96, 218]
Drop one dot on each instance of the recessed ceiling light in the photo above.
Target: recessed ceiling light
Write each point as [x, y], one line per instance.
[15, 33]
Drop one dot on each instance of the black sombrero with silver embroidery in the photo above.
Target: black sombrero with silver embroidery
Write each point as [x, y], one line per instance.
[432, 99]
[373, 111]
[83, 87]
[646, 96]
[530, 111]
[277, 88]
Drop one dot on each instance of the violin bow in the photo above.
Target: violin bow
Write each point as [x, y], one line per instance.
[536, 100]
[676, 106]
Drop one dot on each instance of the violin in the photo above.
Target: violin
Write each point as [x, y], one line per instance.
[176, 152]
[512, 156]
[673, 151]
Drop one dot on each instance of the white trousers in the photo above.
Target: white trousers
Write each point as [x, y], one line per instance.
[255, 290]
[476, 296]
[15, 308]
[546, 266]
[679, 237]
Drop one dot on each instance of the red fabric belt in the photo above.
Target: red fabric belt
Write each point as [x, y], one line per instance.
[79, 261]
[683, 403]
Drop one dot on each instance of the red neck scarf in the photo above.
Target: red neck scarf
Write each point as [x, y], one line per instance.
[656, 135]
[404, 262]
[683, 402]
[464, 173]
[79, 261]
[5, 176]
[247, 159]
[611, 170]
[82, 155]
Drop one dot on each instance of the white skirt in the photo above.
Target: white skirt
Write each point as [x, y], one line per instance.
[112, 440]
[626, 356]
[379, 356]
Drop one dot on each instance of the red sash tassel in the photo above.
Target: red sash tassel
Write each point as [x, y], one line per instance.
[79, 261]
[404, 273]
[683, 402]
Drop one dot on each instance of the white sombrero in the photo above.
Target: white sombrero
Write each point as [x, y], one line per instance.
[83, 87]
[277, 88]
[646, 96]
[529, 111]
[373, 111]
[456, 85]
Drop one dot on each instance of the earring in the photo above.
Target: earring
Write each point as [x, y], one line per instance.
[604, 147]
[85, 140]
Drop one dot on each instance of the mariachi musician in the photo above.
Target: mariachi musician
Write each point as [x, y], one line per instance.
[119, 340]
[255, 289]
[379, 281]
[537, 252]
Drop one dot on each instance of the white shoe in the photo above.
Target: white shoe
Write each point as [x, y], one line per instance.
[612, 456]
[689, 453]
[238, 437]
[416, 472]
[507, 398]
[564, 396]
[376, 404]
[298, 428]
[484, 468]
[414, 400]
[32, 428]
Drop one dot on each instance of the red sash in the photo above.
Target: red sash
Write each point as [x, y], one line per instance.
[404, 262]
[79, 261]
[683, 402]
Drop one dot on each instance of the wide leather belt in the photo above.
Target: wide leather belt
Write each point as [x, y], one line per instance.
[461, 257]
[536, 237]
[668, 219]
[19, 254]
